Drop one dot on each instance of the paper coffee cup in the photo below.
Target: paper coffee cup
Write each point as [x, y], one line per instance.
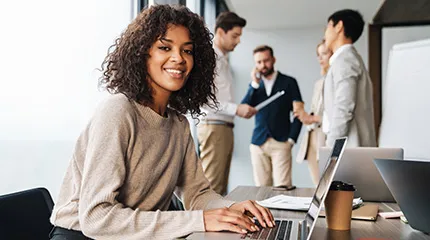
[338, 206]
[339, 235]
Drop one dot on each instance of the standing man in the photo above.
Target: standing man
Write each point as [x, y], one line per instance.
[215, 131]
[348, 101]
[274, 134]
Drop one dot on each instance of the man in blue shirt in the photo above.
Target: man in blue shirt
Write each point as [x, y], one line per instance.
[274, 134]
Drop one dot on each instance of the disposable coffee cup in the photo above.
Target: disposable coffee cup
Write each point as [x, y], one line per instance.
[338, 235]
[338, 205]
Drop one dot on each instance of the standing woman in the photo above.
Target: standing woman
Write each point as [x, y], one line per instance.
[137, 150]
[314, 137]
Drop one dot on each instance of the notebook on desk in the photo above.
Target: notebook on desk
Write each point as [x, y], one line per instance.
[292, 228]
[368, 211]
[286, 202]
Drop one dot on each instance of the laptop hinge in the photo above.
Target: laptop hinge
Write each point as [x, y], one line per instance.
[303, 230]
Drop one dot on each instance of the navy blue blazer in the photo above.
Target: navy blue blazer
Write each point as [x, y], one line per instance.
[274, 119]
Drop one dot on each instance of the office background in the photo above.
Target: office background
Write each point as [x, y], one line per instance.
[51, 49]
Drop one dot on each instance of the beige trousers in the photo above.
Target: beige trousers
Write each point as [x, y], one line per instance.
[271, 163]
[216, 149]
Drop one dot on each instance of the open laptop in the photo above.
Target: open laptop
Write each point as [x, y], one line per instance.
[357, 168]
[409, 182]
[292, 228]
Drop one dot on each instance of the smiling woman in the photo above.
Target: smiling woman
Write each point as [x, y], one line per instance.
[170, 63]
[163, 39]
[137, 150]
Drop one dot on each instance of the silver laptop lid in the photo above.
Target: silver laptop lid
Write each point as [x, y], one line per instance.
[324, 184]
[357, 168]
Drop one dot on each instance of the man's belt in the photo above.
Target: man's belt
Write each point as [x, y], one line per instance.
[218, 122]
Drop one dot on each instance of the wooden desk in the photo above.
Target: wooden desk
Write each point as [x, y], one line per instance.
[382, 228]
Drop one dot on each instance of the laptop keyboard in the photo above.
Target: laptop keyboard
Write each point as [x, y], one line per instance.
[281, 231]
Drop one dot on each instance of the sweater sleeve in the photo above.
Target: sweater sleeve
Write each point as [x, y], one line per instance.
[193, 187]
[101, 216]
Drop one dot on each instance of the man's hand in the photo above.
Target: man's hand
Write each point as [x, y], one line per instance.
[253, 209]
[291, 143]
[245, 111]
[228, 219]
[254, 76]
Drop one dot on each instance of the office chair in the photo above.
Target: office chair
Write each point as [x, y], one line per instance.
[25, 215]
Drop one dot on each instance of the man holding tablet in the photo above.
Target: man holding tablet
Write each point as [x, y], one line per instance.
[274, 134]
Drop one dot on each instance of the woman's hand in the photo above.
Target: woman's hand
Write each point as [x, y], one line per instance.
[306, 118]
[253, 209]
[228, 219]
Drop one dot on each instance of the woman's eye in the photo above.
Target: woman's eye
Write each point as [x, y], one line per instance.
[188, 51]
[164, 48]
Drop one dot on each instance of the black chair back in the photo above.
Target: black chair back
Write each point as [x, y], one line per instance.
[25, 215]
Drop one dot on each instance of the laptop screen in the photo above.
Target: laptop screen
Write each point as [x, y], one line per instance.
[325, 182]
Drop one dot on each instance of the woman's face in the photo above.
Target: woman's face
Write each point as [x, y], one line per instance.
[170, 60]
[323, 56]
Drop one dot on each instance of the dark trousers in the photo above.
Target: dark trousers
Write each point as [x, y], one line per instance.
[176, 204]
[59, 233]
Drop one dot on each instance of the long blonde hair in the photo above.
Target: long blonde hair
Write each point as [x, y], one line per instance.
[325, 69]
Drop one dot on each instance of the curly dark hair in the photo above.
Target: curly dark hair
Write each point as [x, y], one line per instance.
[124, 68]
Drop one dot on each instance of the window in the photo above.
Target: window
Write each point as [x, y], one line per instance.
[51, 50]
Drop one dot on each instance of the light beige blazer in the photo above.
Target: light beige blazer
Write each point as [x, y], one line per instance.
[311, 144]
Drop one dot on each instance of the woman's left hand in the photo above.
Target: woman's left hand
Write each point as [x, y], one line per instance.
[305, 118]
[253, 209]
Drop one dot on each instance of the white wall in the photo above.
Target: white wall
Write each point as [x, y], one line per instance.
[295, 51]
[50, 50]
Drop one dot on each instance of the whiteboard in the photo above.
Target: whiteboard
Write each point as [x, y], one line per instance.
[406, 100]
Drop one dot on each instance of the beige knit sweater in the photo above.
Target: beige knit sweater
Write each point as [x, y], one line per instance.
[126, 165]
